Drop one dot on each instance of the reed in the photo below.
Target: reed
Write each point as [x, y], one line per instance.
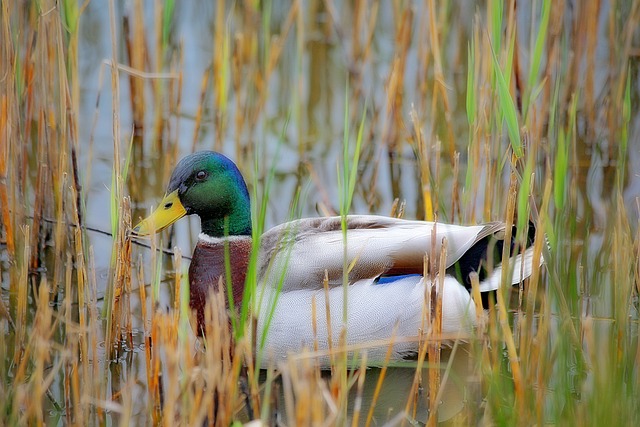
[435, 110]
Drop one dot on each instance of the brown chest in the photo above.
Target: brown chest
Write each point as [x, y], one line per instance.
[208, 271]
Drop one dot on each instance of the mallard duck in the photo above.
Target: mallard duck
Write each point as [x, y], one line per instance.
[386, 290]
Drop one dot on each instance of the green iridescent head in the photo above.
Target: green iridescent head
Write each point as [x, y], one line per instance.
[209, 185]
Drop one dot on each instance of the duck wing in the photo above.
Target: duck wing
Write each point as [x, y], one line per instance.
[296, 254]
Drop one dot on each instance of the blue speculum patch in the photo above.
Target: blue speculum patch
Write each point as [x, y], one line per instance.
[384, 280]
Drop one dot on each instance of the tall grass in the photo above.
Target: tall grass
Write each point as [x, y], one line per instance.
[490, 111]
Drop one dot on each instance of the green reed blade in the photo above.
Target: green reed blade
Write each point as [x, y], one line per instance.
[536, 58]
[471, 87]
[508, 108]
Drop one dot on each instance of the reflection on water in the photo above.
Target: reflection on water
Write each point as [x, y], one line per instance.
[294, 117]
[459, 398]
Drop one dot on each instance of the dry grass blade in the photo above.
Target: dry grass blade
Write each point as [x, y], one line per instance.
[444, 88]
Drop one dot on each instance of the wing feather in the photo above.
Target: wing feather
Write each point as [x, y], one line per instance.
[297, 254]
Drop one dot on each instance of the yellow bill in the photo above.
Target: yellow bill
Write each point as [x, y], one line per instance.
[169, 211]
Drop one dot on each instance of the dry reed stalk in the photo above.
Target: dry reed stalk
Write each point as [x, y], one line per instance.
[357, 405]
[424, 334]
[542, 366]
[373, 19]
[136, 46]
[59, 230]
[4, 194]
[222, 361]
[120, 308]
[540, 355]
[41, 353]
[339, 383]
[474, 149]
[381, 377]
[241, 58]
[623, 266]
[327, 313]
[437, 148]
[304, 392]
[526, 326]
[155, 385]
[169, 346]
[252, 372]
[69, 338]
[115, 93]
[589, 26]
[636, 280]
[158, 89]
[67, 130]
[398, 208]
[502, 306]
[358, 18]
[314, 326]
[636, 251]
[171, 342]
[83, 327]
[424, 62]
[510, 37]
[393, 99]
[486, 165]
[128, 333]
[220, 63]
[439, 84]
[21, 301]
[430, 205]
[175, 103]
[287, 394]
[335, 19]
[556, 18]
[360, 55]
[75, 174]
[300, 36]
[455, 191]
[31, 389]
[41, 178]
[146, 334]
[477, 301]
[93, 389]
[395, 83]
[76, 390]
[627, 35]
[204, 89]
[262, 77]
[434, 349]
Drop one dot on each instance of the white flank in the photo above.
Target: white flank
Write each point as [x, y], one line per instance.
[375, 312]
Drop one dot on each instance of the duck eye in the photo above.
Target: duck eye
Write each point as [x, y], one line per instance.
[201, 175]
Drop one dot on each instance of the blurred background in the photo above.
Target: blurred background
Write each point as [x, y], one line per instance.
[461, 104]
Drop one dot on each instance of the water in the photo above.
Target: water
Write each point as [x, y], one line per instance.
[299, 125]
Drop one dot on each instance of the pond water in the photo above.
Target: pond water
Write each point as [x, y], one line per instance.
[290, 114]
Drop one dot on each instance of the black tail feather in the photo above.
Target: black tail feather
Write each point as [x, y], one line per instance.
[484, 256]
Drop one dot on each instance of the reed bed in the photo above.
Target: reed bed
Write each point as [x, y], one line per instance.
[446, 111]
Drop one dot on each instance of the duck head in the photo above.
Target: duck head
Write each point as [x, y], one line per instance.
[209, 185]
